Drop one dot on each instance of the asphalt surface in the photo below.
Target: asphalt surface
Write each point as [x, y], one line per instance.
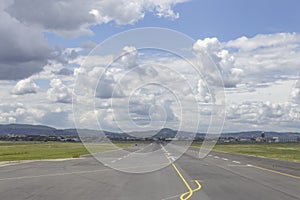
[219, 176]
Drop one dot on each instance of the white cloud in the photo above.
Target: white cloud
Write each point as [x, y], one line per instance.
[263, 114]
[21, 23]
[20, 57]
[75, 18]
[222, 60]
[296, 93]
[205, 94]
[35, 114]
[25, 86]
[264, 41]
[267, 58]
[59, 92]
[269, 64]
[135, 90]
[129, 56]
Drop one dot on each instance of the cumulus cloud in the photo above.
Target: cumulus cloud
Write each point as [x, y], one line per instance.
[135, 90]
[108, 88]
[129, 56]
[263, 113]
[205, 94]
[19, 113]
[264, 41]
[55, 15]
[25, 86]
[24, 49]
[222, 60]
[267, 57]
[64, 72]
[59, 92]
[37, 114]
[296, 93]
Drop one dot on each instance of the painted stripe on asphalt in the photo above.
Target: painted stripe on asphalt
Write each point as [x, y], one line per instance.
[189, 194]
[276, 172]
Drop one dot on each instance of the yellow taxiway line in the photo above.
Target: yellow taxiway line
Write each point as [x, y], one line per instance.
[182, 197]
[189, 194]
[276, 172]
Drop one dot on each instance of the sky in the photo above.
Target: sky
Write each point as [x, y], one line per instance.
[62, 65]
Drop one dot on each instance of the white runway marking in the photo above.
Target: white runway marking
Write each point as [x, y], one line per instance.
[237, 162]
[224, 158]
[237, 165]
[172, 158]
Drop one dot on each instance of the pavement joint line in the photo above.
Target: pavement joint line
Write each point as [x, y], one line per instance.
[274, 171]
[70, 173]
[56, 174]
[172, 197]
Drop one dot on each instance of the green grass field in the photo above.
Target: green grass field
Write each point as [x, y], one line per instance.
[12, 151]
[282, 151]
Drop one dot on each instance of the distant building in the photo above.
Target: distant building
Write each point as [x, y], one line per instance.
[288, 139]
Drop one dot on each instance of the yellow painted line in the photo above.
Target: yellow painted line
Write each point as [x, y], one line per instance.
[276, 172]
[189, 194]
[195, 190]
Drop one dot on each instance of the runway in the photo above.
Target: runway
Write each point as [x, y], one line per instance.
[219, 176]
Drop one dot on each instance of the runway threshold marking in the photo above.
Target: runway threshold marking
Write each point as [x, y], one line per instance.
[274, 171]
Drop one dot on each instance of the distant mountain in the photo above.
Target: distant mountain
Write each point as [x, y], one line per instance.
[25, 129]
